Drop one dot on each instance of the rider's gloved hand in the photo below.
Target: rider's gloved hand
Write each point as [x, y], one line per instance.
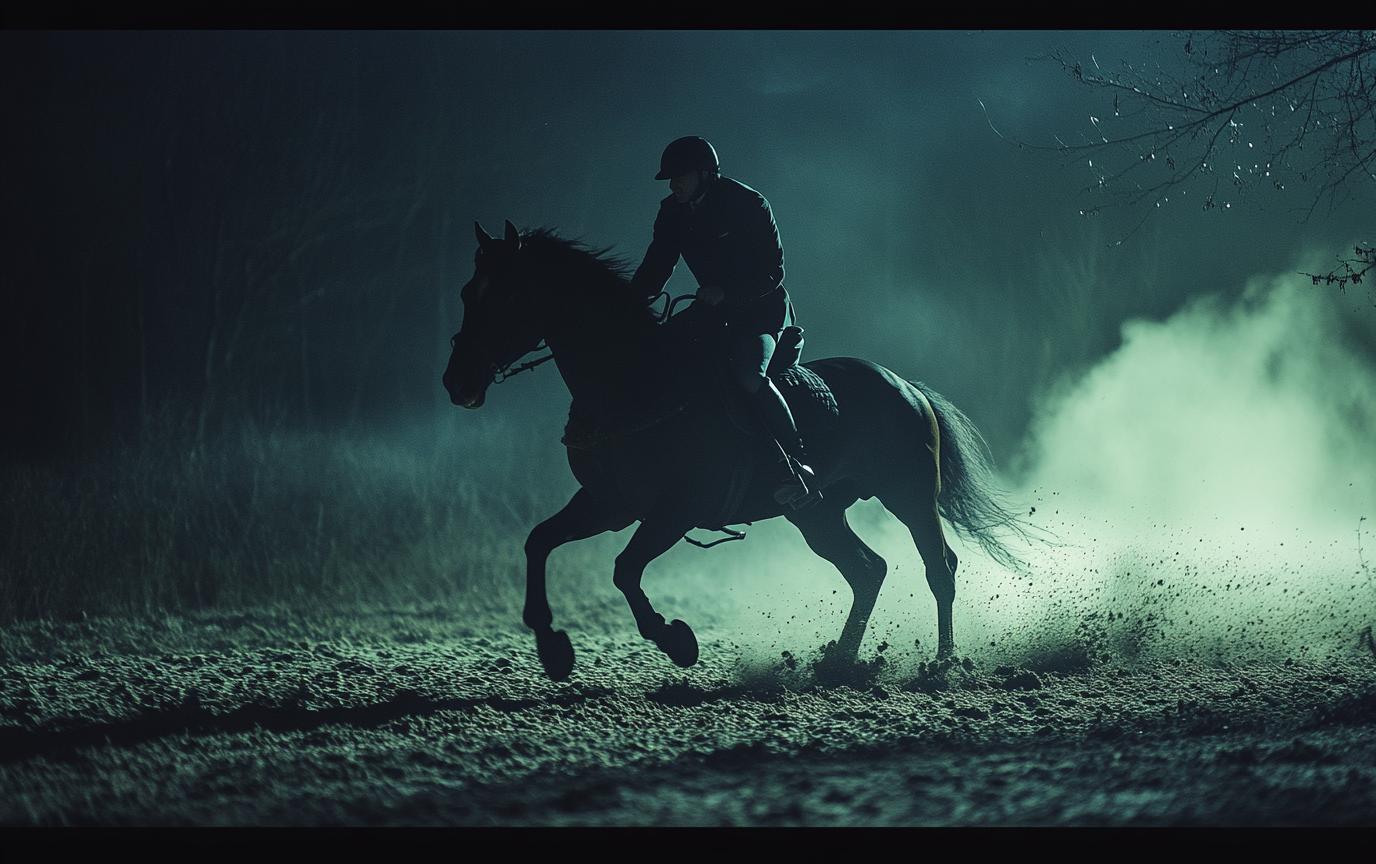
[710, 294]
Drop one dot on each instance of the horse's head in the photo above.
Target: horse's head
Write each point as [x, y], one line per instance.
[503, 320]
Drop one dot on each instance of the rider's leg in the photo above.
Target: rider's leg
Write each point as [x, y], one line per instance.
[750, 360]
[750, 353]
[779, 421]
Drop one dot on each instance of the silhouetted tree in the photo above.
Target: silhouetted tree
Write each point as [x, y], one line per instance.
[300, 231]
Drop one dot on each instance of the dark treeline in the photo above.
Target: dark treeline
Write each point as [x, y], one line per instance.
[229, 224]
[212, 228]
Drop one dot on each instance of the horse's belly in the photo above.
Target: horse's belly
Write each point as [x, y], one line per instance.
[665, 470]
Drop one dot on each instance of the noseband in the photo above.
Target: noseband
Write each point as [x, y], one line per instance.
[501, 373]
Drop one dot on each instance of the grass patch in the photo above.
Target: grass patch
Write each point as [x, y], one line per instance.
[270, 518]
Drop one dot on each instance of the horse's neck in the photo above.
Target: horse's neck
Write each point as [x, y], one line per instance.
[602, 353]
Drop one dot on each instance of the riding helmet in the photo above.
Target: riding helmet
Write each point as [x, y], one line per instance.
[687, 154]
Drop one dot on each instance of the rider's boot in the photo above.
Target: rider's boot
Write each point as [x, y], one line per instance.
[799, 488]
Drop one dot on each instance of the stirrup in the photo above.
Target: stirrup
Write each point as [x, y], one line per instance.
[795, 491]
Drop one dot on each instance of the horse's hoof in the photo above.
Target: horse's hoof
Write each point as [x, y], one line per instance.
[830, 674]
[556, 653]
[678, 641]
[838, 668]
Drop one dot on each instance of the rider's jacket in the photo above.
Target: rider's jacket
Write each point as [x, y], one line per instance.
[729, 240]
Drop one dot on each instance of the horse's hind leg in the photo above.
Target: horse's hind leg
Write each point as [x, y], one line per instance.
[581, 518]
[915, 506]
[828, 533]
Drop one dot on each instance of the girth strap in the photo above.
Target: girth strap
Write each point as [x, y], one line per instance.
[580, 436]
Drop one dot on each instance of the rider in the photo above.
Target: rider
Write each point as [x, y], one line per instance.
[726, 234]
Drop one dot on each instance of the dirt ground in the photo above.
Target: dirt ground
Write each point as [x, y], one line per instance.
[430, 717]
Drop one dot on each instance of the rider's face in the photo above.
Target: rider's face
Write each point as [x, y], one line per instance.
[685, 186]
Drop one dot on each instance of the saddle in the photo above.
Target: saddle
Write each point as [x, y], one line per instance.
[806, 393]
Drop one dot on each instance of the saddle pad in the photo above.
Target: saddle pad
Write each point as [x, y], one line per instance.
[805, 391]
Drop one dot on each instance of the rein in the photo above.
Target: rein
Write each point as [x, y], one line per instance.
[669, 305]
[500, 374]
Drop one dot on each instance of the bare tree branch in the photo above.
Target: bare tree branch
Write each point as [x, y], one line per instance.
[1265, 111]
[1353, 269]
[1280, 107]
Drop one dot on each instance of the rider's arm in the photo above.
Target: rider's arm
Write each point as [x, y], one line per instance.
[662, 256]
[710, 294]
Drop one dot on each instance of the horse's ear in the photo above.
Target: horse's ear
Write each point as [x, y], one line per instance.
[512, 235]
[484, 238]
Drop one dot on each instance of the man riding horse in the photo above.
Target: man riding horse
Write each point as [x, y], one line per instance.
[725, 233]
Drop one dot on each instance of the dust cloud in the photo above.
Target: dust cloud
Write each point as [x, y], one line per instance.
[1206, 493]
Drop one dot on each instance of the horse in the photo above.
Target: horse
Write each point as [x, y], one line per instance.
[648, 444]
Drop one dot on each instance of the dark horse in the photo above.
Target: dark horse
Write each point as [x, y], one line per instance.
[651, 438]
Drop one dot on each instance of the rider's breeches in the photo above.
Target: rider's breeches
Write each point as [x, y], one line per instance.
[750, 353]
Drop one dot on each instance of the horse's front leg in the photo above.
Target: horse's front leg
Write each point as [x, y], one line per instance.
[653, 538]
[583, 517]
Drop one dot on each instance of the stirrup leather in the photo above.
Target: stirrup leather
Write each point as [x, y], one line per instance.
[800, 490]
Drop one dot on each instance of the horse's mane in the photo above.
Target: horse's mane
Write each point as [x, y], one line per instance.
[587, 266]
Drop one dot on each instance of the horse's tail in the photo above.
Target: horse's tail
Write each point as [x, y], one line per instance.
[970, 499]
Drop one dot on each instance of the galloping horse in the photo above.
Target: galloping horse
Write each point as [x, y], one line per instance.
[650, 438]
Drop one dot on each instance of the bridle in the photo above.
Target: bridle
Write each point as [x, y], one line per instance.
[501, 373]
